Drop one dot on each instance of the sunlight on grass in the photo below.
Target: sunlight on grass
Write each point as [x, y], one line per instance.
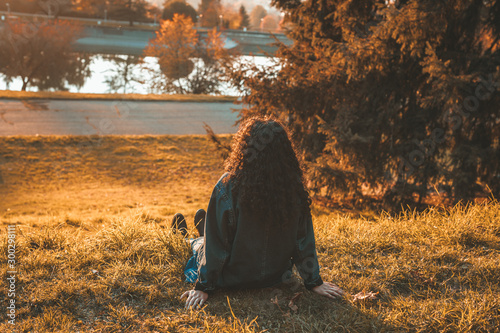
[22, 95]
[95, 251]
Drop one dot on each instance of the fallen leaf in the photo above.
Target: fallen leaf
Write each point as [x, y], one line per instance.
[296, 297]
[361, 296]
[291, 304]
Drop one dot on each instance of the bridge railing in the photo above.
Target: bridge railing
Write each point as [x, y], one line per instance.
[126, 24]
[84, 21]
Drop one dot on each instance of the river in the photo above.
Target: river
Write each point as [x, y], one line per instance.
[102, 68]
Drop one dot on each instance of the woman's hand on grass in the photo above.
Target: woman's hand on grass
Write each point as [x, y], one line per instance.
[195, 298]
[329, 290]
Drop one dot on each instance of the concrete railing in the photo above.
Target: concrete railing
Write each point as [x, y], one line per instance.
[126, 24]
[117, 37]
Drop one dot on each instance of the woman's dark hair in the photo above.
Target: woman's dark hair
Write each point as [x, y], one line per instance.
[265, 172]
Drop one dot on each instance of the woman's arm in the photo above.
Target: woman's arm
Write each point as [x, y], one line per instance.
[306, 260]
[215, 250]
[216, 246]
[305, 257]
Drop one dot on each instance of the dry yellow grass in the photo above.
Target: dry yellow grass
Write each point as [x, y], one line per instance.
[92, 177]
[22, 95]
[95, 252]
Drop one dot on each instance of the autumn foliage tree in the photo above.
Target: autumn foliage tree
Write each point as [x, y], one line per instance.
[128, 10]
[394, 100]
[244, 18]
[122, 10]
[187, 63]
[256, 15]
[41, 54]
[92, 8]
[180, 7]
[269, 23]
[209, 13]
[230, 18]
[52, 7]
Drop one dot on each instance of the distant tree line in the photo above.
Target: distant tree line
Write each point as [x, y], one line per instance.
[122, 10]
[40, 54]
[210, 14]
[28, 47]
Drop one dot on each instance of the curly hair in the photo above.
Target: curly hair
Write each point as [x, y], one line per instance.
[265, 172]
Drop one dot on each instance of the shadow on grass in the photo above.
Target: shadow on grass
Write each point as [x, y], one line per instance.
[289, 307]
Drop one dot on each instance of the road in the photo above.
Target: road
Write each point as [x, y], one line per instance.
[74, 117]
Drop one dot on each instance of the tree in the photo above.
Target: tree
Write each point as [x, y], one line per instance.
[28, 50]
[244, 18]
[73, 72]
[230, 17]
[54, 8]
[269, 23]
[213, 62]
[21, 6]
[154, 14]
[397, 99]
[206, 4]
[122, 10]
[209, 13]
[92, 8]
[128, 10]
[122, 75]
[179, 7]
[256, 15]
[174, 46]
[188, 64]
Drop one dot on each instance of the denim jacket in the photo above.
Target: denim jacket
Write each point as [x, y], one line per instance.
[241, 252]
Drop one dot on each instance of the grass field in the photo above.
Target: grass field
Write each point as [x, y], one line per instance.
[94, 251]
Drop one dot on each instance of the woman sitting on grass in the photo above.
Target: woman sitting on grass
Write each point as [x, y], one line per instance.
[258, 223]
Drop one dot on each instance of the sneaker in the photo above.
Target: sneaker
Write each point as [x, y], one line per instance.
[179, 223]
[199, 221]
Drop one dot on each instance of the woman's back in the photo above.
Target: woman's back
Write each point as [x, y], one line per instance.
[259, 252]
[258, 223]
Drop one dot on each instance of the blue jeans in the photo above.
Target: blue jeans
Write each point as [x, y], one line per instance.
[191, 270]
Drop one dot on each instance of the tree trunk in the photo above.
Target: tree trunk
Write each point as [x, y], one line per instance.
[25, 85]
[130, 13]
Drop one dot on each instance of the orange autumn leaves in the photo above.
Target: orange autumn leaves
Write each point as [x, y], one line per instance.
[41, 54]
[188, 63]
[175, 45]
